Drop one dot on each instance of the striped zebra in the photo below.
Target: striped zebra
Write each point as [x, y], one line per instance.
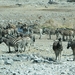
[10, 42]
[19, 43]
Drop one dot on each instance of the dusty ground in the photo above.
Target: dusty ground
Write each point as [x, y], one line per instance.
[55, 15]
[35, 62]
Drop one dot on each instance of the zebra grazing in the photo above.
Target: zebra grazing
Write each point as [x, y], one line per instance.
[57, 47]
[18, 43]
[71, 43]
[66, 33]
[11, 42]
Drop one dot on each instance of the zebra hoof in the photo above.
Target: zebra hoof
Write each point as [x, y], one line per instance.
[16, 50]
[9, 52]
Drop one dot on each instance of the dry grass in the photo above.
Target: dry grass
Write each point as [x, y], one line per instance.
[51, 23]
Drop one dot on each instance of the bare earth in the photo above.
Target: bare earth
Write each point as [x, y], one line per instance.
[43, 15]
[25, 63]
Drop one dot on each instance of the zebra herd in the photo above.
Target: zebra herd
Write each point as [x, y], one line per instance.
[17, 37]
[22, 36]
[58, 47]
[67, 35]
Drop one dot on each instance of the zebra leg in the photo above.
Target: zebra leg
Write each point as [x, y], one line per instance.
[73, 57]
[59, 56]
[66, 38]
[63, 37]
[40, 36]
[9, 50]
[16, 48]
[57, 35]
[49, 36]
[24, 48]
[56, 55]
[69, 37]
